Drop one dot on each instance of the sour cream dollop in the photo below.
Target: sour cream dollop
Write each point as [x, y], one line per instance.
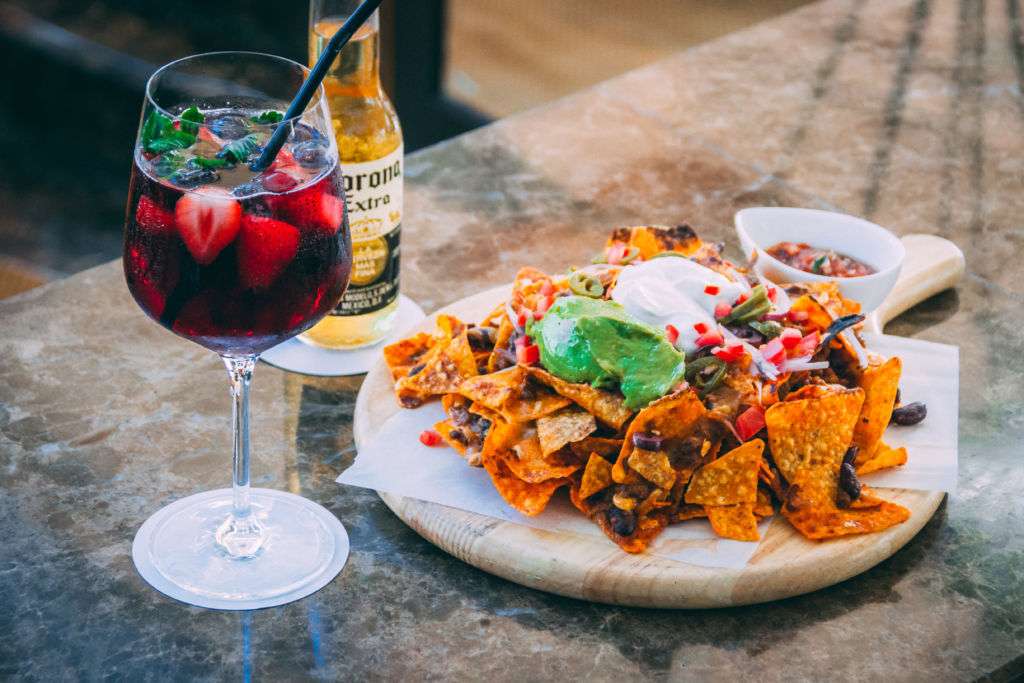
[675, 291]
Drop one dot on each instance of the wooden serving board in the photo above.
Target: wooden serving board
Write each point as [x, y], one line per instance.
[593, 568]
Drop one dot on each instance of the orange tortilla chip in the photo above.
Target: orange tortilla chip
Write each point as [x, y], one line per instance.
[730, 480]
[404, 355]
[566, 426]
[733, 521]
[604, 405]
[647, 528]
[445, 367]
[814, 432]
[606, 448]
[493, 391]
[820, 524]
[517, 443]
[686, 512]
[445, 428]
[501, 338]
[653, 466]
[654, 239]
[880, 381]
[596, 477]
[675, 416]
[533, 402]
[885, 456]
[526, 497]
[763, 507]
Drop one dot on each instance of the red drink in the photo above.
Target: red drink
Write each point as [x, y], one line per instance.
[234, 260]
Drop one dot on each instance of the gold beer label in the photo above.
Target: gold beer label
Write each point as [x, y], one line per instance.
[373, 194]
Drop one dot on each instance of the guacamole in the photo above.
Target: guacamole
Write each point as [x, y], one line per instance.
[597, 342]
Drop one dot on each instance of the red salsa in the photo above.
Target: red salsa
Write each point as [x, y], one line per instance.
[818, 261]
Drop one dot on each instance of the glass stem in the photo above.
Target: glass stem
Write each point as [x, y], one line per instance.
[241, 535]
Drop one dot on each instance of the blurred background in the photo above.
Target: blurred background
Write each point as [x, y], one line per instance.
[75, 71]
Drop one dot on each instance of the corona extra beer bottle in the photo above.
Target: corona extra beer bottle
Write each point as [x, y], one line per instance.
[370, 150]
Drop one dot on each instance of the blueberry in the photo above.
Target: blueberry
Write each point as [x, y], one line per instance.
[310, 154]
[229, 126]
[193, 177]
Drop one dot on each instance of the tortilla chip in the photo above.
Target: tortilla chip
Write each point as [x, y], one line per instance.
[501, 338]
[885, 456]
[817, 316]
[564, 427]
[596, 477]
[451, 435]
[813, 432]
[730, 480]
[494, 318]
[686, 512]
[654, 239]
[607, 407]
[446, 365]
[511, 394]
[763, 507]
[653, 466]
[820, 524]
[733, 521]
[404, 355]
[647, 528]
[526, 497]
[606, 448]
[880, 382]
[672, 417]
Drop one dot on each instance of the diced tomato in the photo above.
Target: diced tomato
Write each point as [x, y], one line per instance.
[807, 345]
[790, 337]
[428, 437]
[711, 290]
[797, 316]
[547, 289]
[527, 354]
[741, 298]
[772, 293]
[774, 352]
[722, 309]
[672, 333]
[750, 422]
[711, 338]
[730, 353]
[537, 317]
[701, 328]
[545, 303]
[521, 320]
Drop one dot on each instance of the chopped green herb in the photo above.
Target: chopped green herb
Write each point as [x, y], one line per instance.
[769, 329]
[190, 120]
[240, 149]
[819, 263]
[269, 116]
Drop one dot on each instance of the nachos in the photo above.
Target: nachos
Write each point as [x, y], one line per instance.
[661, 384]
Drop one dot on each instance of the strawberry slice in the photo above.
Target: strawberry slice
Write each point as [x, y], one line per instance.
[265, 248]
[208, 220]
[152, 218]
[310, 208]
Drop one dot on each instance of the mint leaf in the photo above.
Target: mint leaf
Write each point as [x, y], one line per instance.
[190, 118]
[269, 116]
[203, 162]
[240, 149]
[156, 126]
[769, 329]
[166, 144]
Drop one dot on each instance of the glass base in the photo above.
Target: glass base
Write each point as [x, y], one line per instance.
[177, 551]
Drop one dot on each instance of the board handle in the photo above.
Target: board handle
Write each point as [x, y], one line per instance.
[931, 265]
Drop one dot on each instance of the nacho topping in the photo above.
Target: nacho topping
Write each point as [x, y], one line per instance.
[624, 381]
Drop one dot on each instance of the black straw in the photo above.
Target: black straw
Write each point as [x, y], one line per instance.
[316, 77]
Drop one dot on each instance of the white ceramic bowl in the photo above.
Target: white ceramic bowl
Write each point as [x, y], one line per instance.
[761, 227]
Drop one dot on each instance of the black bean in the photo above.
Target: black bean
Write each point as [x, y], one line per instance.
[910, 414]
[851, 455]
[416, 369]
[457, 435]
[848, 481]
[481, 337]
[459, 414]
[648, 441]
[622, 522]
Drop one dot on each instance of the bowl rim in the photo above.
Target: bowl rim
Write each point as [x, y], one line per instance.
[885, 239]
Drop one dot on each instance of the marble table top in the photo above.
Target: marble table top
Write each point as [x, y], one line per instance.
[909, 112]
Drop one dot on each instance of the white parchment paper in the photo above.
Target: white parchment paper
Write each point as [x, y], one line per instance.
[394, 461]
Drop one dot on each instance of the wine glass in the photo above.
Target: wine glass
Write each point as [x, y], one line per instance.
[236, 261]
